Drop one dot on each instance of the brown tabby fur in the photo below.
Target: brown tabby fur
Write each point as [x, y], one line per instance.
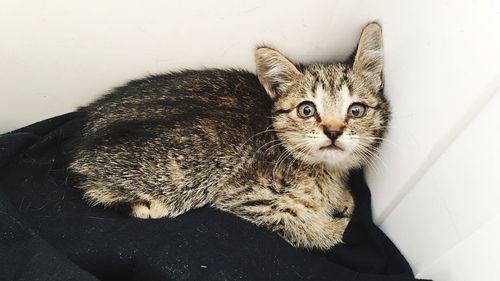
[227, 138]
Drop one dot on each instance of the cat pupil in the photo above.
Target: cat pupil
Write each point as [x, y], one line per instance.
[355, 111]
[307, 110]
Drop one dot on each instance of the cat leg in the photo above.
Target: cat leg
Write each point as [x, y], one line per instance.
[324, 235]
[299, 226]
[154, 210]
[158, 209]
[314, 234]
[343, 205]
[140, 210]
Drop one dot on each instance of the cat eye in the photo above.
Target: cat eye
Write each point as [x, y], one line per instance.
[356, 110]
[306, 109]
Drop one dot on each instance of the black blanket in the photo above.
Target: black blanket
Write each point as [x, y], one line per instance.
[47, 232]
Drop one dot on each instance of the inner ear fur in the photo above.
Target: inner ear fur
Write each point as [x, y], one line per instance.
[369, 58]
[275, 72]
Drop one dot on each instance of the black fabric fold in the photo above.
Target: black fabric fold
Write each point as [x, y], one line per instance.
[47, 232]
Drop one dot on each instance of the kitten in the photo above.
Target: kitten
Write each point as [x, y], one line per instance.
[274, 149]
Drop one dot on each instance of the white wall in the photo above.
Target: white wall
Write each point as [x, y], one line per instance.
[433, 190]
[449, 223]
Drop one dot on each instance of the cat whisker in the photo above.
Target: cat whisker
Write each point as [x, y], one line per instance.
[303, 149]
[274, 145]
[267, 143]
[378, 139]
[285, 155]
[369, 154]
[368, 161]
[302, 161]
[267, 130]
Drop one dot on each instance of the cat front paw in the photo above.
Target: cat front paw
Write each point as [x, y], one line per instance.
[321, 236]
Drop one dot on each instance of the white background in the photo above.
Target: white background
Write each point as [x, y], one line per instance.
[436, 190]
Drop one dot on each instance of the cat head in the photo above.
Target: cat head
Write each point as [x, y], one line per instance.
[329, 113]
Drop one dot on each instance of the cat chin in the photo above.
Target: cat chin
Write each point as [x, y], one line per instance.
[343, 166]
[335, 159]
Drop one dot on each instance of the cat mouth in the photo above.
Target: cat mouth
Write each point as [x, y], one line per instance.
[331, 146]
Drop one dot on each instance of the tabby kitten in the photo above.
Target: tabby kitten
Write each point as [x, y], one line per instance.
[274, 149]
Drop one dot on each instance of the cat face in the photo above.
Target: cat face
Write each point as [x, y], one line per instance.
[329, 113]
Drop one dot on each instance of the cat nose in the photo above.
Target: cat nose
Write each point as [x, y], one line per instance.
[332, 133]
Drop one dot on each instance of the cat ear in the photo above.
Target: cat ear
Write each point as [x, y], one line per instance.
[276, 73]
[369, 59]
